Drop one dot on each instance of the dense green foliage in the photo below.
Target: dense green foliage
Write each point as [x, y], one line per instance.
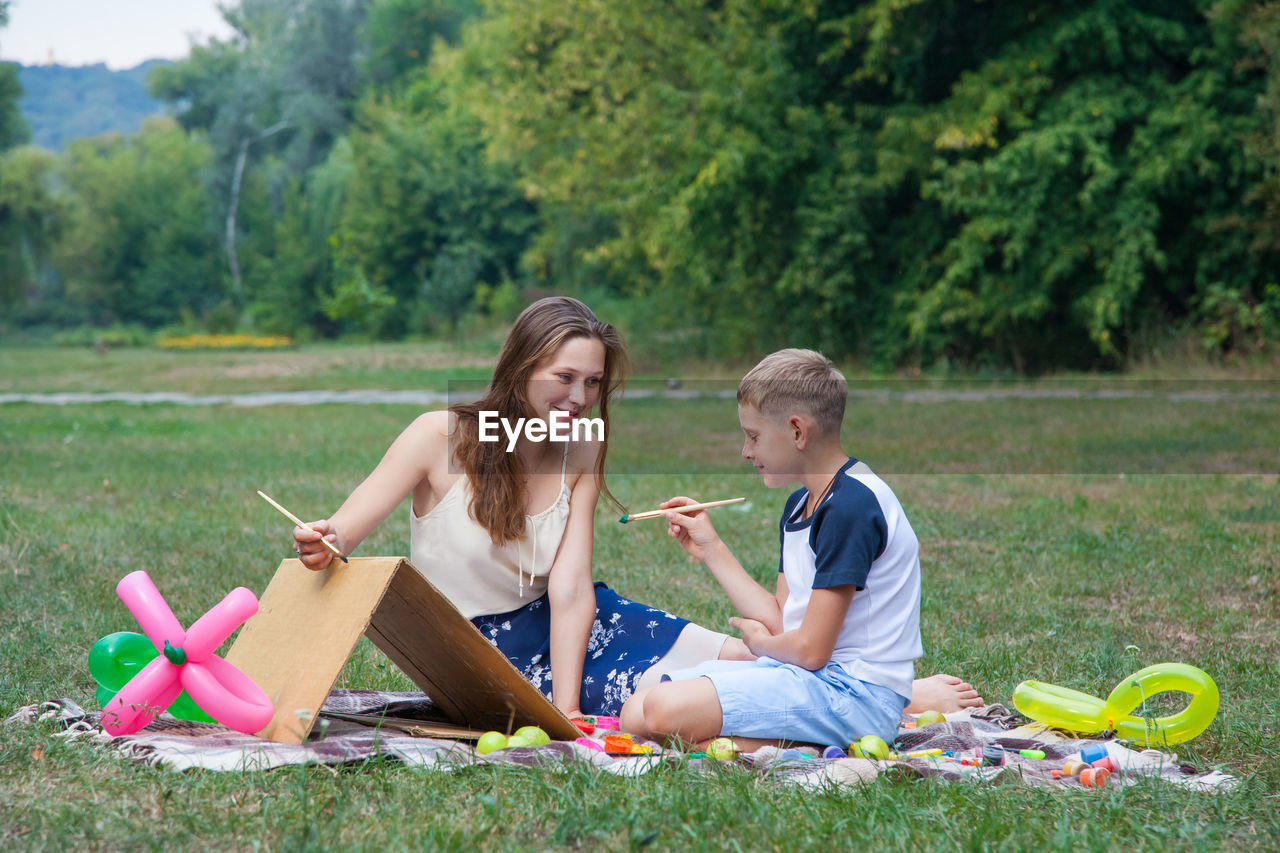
[427, 218]
[31, 220]
[65, 103]
[13, 129]
[912, 182]
[1026, 183]
[137, 234]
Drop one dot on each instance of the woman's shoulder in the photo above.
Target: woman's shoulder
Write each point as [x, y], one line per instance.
[440, 422]
[581, 455]
[431, 429]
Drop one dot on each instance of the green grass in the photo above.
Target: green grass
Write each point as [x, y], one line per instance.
[330, 366]
[1070, 541]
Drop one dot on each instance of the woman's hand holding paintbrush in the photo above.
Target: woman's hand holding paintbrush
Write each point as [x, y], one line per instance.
[315, 543]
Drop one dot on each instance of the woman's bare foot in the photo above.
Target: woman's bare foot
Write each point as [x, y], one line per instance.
[944, 693]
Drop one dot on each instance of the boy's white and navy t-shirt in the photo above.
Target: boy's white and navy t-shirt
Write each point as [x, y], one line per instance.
[858, 535]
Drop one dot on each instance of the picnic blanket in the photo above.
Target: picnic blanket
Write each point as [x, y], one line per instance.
[336, 740]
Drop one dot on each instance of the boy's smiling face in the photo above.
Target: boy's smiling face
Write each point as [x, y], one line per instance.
[769, 444]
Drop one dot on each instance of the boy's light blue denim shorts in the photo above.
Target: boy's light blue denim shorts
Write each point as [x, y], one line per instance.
[766, 698]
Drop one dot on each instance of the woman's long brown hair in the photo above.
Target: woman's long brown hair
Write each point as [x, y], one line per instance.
[497, 493]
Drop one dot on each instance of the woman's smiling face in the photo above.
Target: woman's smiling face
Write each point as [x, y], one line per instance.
[569, 380]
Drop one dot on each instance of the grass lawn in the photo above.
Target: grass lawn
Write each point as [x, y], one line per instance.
[1068, 539]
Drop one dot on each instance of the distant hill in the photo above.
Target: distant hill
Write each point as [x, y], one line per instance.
[63, 103]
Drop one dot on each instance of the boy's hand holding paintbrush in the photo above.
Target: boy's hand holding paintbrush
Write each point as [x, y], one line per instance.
[690, 525]
[692, 528]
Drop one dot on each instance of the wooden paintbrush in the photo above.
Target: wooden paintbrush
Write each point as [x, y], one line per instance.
[654, 513]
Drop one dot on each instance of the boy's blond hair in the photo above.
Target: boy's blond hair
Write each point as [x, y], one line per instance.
[792, 381]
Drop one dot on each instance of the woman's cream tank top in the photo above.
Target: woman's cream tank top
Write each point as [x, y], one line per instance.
[456, 554]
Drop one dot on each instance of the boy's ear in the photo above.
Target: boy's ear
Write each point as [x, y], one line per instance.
[800, 428]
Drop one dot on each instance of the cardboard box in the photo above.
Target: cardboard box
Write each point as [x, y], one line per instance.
[308, 624]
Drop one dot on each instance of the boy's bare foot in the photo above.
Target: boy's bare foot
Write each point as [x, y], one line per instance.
[944, 693]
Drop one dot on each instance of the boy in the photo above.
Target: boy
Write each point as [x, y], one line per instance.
[837, 643]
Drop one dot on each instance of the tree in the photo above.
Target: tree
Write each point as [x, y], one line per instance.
[1019, 184]
[400, 35]
[138, 246]
[13, 129]
[427, 216]
[296, 270]
[667, 137]
[224, 90]
[280, 91]
[1087, 165]
[30, 216]
[1260, 34]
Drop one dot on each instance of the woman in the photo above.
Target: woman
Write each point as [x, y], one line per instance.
[505, 532]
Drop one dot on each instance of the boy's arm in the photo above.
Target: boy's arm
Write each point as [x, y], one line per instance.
[748, 597]
[847, 537]
[697, 536]
[812, 644]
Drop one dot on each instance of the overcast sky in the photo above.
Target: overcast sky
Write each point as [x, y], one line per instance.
[121, 33]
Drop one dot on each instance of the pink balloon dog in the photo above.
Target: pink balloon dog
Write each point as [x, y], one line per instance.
[186, 662]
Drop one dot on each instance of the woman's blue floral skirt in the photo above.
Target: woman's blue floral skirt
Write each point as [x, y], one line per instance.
[626, 639]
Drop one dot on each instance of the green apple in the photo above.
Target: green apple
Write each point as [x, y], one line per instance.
[928, 718]
[533, 734]
[515, 741]
[723, 748]
[490, 742]
[870, 746]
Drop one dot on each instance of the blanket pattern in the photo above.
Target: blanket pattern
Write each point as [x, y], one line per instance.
[183, 745]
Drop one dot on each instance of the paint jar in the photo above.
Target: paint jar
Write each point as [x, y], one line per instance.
[1094, 777]
[1107, 763]
[610, 723]
[621, 744]
[992, 755]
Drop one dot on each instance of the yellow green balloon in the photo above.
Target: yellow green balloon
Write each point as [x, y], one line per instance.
[1074, 711]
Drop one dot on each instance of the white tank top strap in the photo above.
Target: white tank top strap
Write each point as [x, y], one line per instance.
[564, 461]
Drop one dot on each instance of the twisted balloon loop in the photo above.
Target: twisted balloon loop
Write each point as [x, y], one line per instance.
[185, 661]
[1074, 711]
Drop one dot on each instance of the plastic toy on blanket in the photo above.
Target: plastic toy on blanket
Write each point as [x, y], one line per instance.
[185, 662]
[1074, 711]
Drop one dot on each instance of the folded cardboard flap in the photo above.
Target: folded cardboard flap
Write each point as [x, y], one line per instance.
[308, 624]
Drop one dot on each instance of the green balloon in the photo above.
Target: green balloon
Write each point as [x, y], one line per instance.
[118, 657]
